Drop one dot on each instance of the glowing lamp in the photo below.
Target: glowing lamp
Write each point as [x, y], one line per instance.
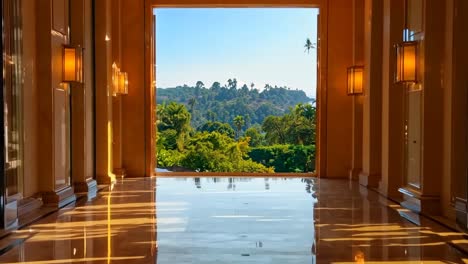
[123, 83]
[355, 80]
[115, 79]
[72, 64]
[407, 62]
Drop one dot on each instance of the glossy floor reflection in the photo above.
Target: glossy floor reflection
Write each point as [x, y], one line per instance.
[233, 220]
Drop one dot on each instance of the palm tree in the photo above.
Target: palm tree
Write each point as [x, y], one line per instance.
[199, 85]
[309, 45]
[275, 129]
[239, 123]
[191, 102]
[175, 116]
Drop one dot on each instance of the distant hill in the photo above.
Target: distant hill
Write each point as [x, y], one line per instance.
[223, 103]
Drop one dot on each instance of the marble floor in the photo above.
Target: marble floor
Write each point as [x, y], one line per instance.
[233, 220]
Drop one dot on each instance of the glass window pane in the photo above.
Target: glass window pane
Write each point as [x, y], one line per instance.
[13, 86]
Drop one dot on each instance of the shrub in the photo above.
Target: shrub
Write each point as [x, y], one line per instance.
[285, 158]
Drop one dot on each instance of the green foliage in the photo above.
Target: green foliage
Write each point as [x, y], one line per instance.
[256, 137]
[168, 139]
[309, 45]
[216, 152]
[285, 158]
[275, 129]
[223, 128]
[224, 102]
[174, 117]
[239, 122]
[213, 147]
[296, 127]
[168, 158]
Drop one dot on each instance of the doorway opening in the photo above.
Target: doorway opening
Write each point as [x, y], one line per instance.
[235, 90]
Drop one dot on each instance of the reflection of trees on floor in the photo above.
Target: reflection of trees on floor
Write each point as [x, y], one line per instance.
[343, 223]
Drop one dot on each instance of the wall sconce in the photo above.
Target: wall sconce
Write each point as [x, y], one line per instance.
[407, 62]
[115, 79]
[123, 83]
[119, 81]
[72, 64]
[355, 80]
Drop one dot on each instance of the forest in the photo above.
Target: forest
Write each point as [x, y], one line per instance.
[224, 102]
[235, 129]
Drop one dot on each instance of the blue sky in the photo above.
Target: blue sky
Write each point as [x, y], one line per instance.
[259, 45]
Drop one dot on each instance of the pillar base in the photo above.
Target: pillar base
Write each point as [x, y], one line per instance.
[461, 213]
[120, 172]
[390, 192]
[10, 213]
[105, 179]
[419, 203]
[354, 174]
[28, 205]
[88, 188]
[59, 199]
[369, 180]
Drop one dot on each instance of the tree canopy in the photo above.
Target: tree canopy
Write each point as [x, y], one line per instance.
[282, 143]
[224, 102]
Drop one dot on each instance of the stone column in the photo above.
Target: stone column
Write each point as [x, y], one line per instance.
[53, 103]
[81, 180]
[134, 137]
[392, 102]
[426, 198]
[372, 118]
[358, 59]
[103, 63]
[118, 169]
[456, 114]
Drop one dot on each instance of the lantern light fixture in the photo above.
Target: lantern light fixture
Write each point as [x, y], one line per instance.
[119, 81]
[406, 62]
[355, 80]
[115, 79]
[123, 83]
[72, 65]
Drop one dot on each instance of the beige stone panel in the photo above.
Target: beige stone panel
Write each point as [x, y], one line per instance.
[61, 139]
[78, 103]
[53, 106]
[103, 111]
[339, 105]
[89, 89]
[455, 116]
[30, 102]
[392, 102]
[358, 60]
[45, 96]
[61, 115]
[426, 198]
[117, 132]
[432, 99]
[60, 16]
[372, 109]
[117, 99]
[133, 105]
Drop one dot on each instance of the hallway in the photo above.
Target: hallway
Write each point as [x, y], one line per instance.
[232, 220]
